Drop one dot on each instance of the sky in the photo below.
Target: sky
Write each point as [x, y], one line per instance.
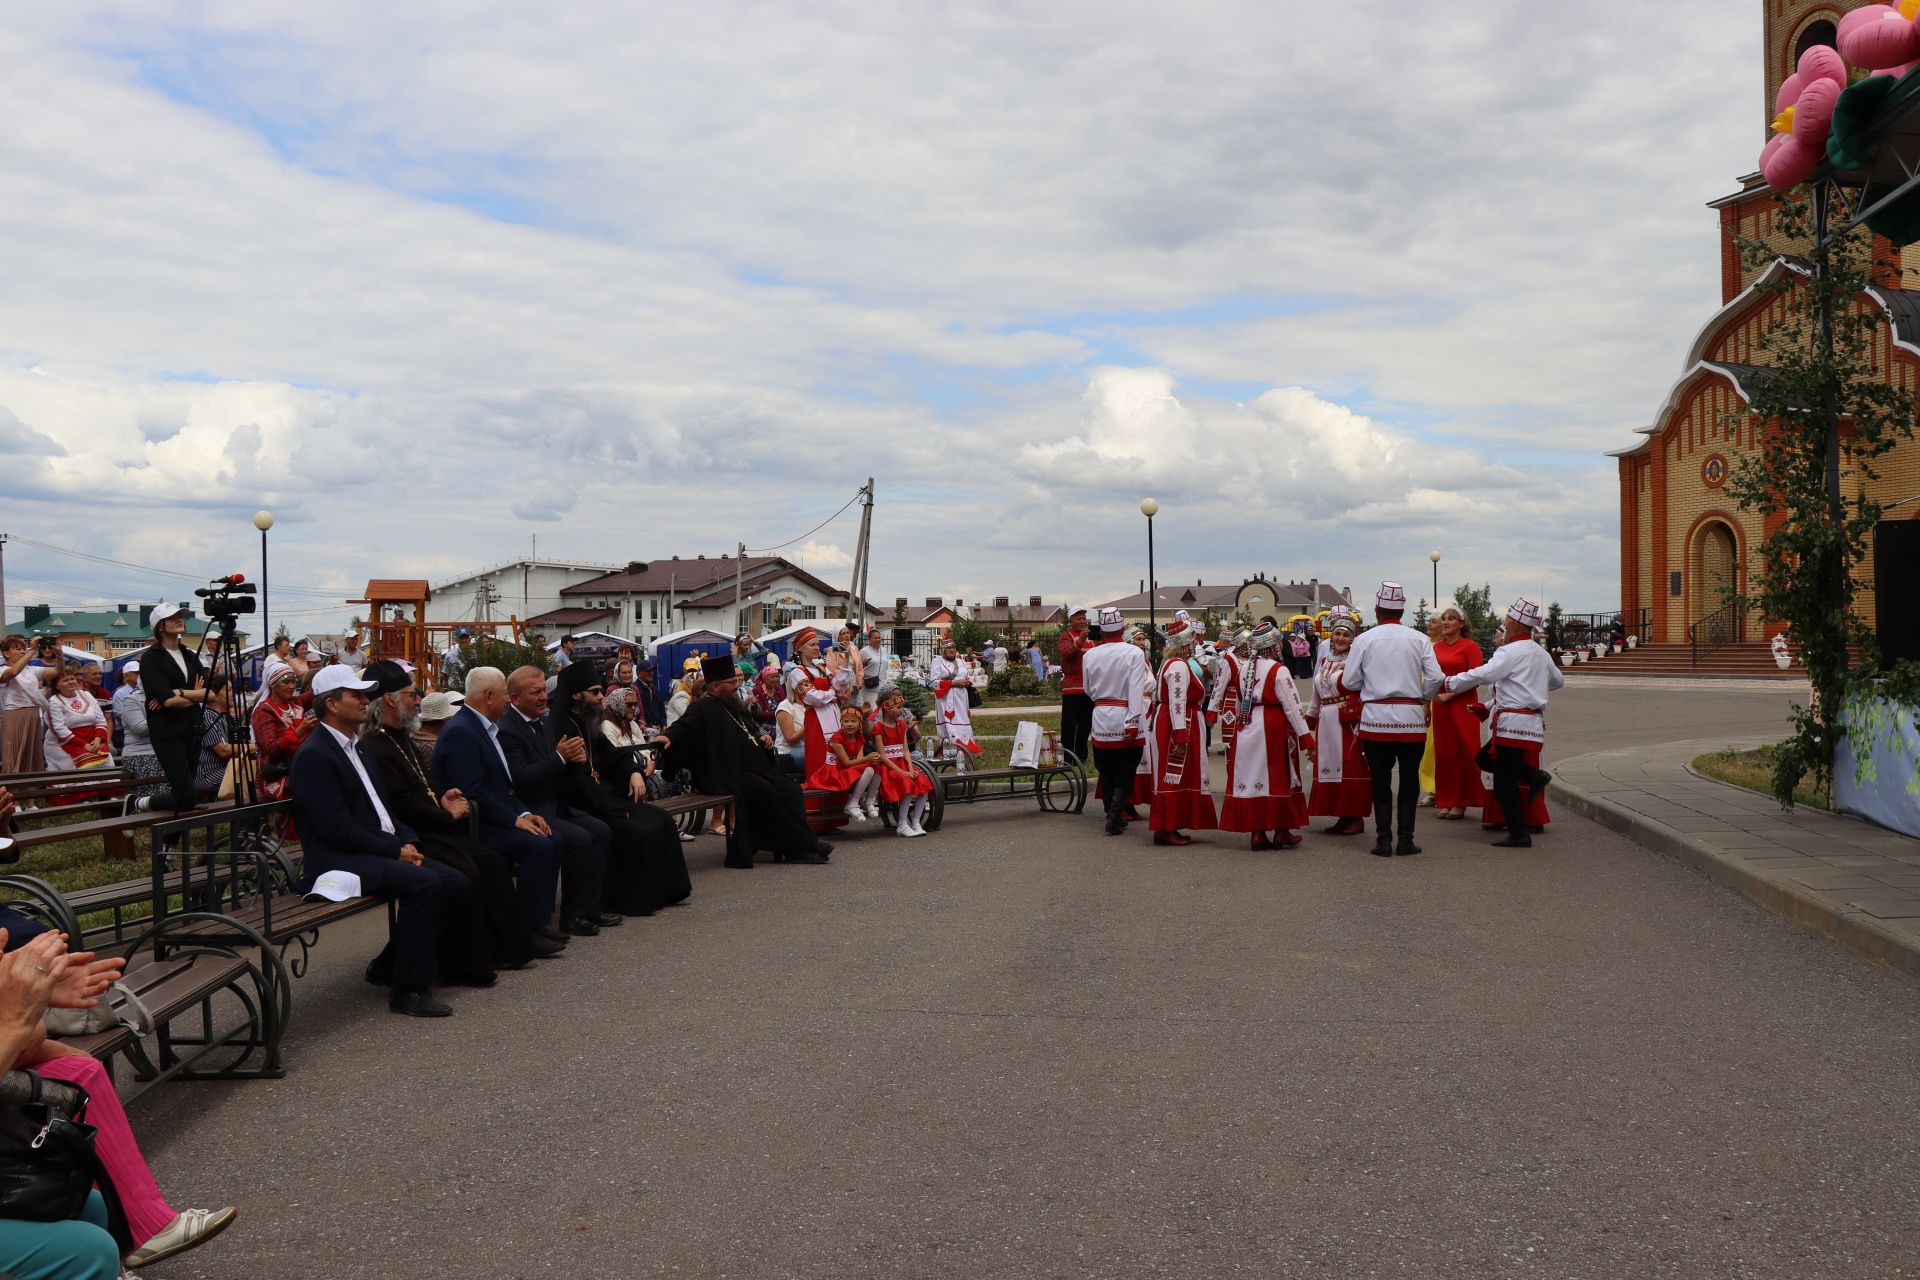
[1338, 285]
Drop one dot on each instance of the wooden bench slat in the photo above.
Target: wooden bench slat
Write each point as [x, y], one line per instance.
[166, 987]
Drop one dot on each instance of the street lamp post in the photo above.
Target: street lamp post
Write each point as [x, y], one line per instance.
[1150, 508]
[1435, 557]
[263, 521]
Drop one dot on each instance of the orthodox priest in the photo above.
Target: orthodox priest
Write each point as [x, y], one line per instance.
[716, 740]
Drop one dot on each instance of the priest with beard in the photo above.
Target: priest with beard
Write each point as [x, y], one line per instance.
[646, 870]
[494, 934]
[727, 754]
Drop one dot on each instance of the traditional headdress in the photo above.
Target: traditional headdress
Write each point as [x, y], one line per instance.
[1111, 619]
[1525, 612]
[1266, 637]
[1392, 597]
[1343, 623]
[802, 636]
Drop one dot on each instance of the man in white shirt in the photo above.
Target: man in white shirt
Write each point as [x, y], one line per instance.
[1393, 669]
[351, 655]
[1524, 676]
[1115, 676]
[346, 825]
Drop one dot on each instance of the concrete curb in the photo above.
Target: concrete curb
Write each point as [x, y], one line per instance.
[1855, 930]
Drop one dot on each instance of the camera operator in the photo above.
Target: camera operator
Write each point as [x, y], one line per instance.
[176, 687]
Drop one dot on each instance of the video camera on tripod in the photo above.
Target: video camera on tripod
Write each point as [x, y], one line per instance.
[228, 597]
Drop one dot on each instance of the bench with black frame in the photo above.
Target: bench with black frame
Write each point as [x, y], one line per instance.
[105, 791]
[1061, 787]
[689, 812]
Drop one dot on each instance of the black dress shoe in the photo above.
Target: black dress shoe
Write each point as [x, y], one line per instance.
[416, 1003]
[811, 857]
[1405, 849]
[824, 849]
[548, 932]
[1382, 849]
[1538, 831]
[547, 948]
[579, 927]
[607, 919]
[375, 973]
[1514, 842]
[1115, 827]
[472, 980]
[512, 966]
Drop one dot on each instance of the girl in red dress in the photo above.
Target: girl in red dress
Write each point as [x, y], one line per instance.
[852, 767]
[1456, 728]
[901, 784]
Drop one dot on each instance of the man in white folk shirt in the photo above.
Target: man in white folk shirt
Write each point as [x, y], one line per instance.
[1524, 676]
[1393, 669]
[1115, 675]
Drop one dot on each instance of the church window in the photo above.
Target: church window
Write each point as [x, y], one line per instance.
[1816, 34]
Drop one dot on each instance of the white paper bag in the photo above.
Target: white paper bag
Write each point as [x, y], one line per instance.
[1026, 746]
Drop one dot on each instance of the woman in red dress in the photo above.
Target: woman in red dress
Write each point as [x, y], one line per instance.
[1181, 797]
[1456, 727]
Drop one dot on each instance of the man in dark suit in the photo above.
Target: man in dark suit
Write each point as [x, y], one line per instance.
[346, 824]
[536, 766]
[467, 758]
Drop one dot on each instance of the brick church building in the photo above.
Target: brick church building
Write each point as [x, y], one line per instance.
[1683, 541]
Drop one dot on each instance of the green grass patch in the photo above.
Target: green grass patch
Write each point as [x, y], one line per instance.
[1004, 722]
[1754, 771]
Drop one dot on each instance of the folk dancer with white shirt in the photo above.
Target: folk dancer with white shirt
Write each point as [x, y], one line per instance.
[1393, 669]
[1141, 789]
[1524, 676]
[1115, 676]
[953, 681]
[808, 676]
[347, 825]
[1342, 784]
[1264, 790]
[1223, 703]
[1181, 797]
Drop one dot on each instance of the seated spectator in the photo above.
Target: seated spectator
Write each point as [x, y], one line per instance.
[435, 710]
[277, 727]
[689, 689]
[536, 761]
[717, 742]
[790, 733]
[490, 933]
[645, 868]
[744, 656]
[35, 976]
[346, 824]
[651, 709]
[216, 747]
[467, 757]
[765, 695]
[20, 927]
[79, 726]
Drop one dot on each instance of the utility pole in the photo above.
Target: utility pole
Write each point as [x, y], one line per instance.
[3, 582]
[857, 588]
[739, 578]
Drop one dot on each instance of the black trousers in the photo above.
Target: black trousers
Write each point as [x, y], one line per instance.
[1381, 759]
[489, 931]
[431, 895]
[1076, 723]
[178, 757]
[583, 862]
[1116, 767]
[1510, 769]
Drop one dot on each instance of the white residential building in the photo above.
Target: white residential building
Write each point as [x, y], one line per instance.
[520, 588]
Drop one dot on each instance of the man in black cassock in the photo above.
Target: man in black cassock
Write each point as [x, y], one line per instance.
[645, 868]
[727, 754]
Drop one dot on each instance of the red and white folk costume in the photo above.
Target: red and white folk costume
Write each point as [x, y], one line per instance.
[807, 674]
[1523, 676]
[1181, 796]
[1342, 785]
[1223, 704]
[952, 678]
[1264, 790]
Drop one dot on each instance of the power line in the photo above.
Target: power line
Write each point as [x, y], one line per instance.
[817, 528]
[146, 568]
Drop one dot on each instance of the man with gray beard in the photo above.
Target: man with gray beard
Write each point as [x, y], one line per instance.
[493, 934]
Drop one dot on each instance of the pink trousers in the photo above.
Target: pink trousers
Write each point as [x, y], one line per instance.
[147, 1210]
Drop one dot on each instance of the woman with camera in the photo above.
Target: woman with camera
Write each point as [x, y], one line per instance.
[176, 688]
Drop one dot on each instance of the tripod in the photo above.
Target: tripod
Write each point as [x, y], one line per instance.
[223, 666]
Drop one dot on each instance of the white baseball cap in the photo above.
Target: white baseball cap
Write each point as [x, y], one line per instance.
[340, 677]
[164, 610]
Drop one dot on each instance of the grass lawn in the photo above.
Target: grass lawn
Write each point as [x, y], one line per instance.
[988, 721]
[69, 865]
[1754, 771]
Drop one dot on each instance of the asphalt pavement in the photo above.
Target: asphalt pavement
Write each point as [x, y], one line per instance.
[1018, 1048]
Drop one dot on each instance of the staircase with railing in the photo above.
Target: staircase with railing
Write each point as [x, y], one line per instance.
[1724, 626]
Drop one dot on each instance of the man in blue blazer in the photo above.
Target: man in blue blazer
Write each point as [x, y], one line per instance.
[468, 756]
[346, 825]
[537, 764]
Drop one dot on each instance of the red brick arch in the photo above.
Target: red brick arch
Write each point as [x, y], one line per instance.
[1732, 521]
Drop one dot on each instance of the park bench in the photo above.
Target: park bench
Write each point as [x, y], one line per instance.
[690, 811]
[38, 795]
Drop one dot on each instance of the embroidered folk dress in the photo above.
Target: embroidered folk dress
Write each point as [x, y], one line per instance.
[1342, 783]
[1181, 797]
[1263, 771]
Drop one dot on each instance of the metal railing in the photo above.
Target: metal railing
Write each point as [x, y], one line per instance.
[1724, 626]
[1577, 630]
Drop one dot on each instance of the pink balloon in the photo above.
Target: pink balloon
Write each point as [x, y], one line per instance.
[1878, 38]
[1787, 162]
[1789, 92]
[1813, 114]
[1823, 63]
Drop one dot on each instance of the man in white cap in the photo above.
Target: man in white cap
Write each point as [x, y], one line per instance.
[351, 654]
[346, 824]
[1076, 708]
[1114, 676]
[1523, 676]
[1393, 669]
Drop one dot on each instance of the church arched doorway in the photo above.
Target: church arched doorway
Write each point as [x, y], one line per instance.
[1715, 570]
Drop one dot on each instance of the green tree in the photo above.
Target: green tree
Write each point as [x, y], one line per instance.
[490, 651]
[967, 634]
[1820, 374]
[1420, 614]
[1554, 637]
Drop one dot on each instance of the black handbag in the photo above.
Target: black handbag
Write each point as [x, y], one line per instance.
[48, 1163]
[973, 697]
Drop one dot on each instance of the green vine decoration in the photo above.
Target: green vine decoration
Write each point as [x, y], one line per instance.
[1811, 561]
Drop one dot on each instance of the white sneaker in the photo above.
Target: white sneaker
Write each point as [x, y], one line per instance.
[873, 811]
[192, 1227]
